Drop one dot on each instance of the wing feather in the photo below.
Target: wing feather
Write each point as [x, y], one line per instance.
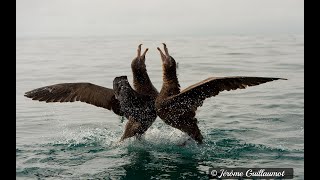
[70, 92]
[193, 96]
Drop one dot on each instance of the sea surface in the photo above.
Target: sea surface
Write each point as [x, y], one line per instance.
[260, 126]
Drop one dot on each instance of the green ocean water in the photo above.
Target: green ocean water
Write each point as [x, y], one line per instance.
[261, 126]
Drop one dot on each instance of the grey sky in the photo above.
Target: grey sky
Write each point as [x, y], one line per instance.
[161, 17]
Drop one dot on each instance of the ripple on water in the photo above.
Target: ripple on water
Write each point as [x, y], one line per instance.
[156, 152]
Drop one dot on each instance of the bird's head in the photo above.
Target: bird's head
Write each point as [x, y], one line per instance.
[120, 85]
[168, 63]
[138, 63]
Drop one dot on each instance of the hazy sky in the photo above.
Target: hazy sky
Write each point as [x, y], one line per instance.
[158, 17]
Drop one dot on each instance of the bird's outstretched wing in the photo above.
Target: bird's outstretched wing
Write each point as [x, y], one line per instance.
[70, 92]
[193, 96]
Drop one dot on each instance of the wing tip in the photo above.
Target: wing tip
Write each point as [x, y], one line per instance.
[279, 78]
[31, 93]
[273, 78]
[27, 94]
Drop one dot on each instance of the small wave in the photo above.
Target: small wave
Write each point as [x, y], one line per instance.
[271, 119]
[18, 151]
[237, 53]
[37, 172]
[236, 149]
[159, 148]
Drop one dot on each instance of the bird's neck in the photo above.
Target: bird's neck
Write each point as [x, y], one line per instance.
[141, 81]
[170, 84]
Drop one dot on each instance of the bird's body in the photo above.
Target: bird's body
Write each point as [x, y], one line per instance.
[178, 109]
[138, 105]
[138, 108]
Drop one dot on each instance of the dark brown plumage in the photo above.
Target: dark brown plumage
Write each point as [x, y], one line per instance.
[98, 95]
[138, 108]
[70, 92]
[177, 109]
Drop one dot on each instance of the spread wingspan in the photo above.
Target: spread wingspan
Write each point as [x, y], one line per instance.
[70, 92]
[193, 96]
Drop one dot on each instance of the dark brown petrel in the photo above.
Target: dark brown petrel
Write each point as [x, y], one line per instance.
[178, 109]
[138, 104]
[97, 95]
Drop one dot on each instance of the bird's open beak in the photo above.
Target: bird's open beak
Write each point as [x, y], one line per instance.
[165, 57]
[143, 56]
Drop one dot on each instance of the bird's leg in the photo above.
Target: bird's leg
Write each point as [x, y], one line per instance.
[129, 131]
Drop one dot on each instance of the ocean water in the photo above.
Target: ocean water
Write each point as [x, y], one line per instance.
[260, 126]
